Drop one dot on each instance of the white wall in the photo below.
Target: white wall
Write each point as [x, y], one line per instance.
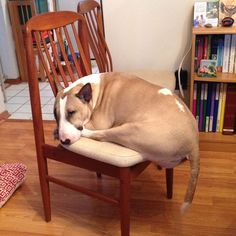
[66, 5]
[2, 105]
[7, 48]
[70, 5]
[152, 34]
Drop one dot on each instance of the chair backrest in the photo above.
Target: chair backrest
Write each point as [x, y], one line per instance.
[91, 10]
[54, 37]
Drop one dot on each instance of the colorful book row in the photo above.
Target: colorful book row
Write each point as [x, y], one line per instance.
[214, 107]
[221, 48]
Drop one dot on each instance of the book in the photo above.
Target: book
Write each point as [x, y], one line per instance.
[227, 42]
[208, 109]
[214, 45]
[195, 99]
[206, 12]
[201, 106]
[230, 109]
[198, 103]
[207, 68]
[227, 8]
[212, 107]
[210, 53]
[219, 107]
[220, 52]
[200, 51]
[196, 62]
[232, 54]
[223, 108]
[216, 106]
[205, 48]
[204, 107]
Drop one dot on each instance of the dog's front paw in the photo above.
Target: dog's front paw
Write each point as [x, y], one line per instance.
[87, 133]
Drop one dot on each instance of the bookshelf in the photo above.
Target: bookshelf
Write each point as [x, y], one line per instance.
[214, 141]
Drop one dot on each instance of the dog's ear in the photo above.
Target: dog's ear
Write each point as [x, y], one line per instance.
[85, 93]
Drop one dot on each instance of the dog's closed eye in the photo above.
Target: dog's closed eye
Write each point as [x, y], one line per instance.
[70, 113]
[80, 128]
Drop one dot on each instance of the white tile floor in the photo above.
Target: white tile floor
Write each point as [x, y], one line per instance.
[18, 101]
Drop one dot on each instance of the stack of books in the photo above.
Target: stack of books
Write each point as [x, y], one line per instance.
[215, 53]
[214, 107]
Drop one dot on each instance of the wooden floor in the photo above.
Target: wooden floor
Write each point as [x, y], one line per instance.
[213, 211]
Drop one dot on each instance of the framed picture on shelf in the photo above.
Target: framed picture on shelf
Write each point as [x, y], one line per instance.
[207, 68]
[206, 12]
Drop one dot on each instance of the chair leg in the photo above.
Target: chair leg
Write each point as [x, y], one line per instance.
[44, 184]
[99, 175]
[125, 201]
[169, 182]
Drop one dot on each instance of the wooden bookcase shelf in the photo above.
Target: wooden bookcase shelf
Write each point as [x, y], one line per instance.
[214, 30]
[212, 141]
[220, 77]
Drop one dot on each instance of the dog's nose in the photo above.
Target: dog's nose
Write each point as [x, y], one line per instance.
[66, 142]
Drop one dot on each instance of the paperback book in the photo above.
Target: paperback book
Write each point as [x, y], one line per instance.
[206, 13]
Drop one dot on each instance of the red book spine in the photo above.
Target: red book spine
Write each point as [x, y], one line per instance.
[205, 49]
[200, 52]
[230, 110]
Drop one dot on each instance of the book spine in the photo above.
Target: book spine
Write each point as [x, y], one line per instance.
[226, 54]
[216, 105]
[220, 53]
[198, 102]
[219, 108]
[208, 110]
[200, 52]
[223, 108]
[204, 107]
[212, 107]
[194, 99]
[209, 50]
[196, 54]
[232, 54]
[201, 106]
[230, 110]
[205, 48]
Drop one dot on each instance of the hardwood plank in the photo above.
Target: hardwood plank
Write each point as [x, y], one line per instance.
[213, 211]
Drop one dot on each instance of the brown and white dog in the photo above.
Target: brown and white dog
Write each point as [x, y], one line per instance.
[129, 111]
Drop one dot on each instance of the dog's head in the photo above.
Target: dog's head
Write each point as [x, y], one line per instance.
[72, 110]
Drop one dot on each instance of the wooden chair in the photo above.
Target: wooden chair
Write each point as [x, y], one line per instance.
[124, 164]
[91, 10]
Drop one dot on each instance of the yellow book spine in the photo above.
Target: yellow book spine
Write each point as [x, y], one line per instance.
[223, 108]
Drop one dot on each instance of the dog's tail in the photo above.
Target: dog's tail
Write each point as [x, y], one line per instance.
[195, 167]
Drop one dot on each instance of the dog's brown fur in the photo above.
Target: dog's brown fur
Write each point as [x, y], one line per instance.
[134, 113]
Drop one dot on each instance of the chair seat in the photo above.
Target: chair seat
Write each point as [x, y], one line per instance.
[109, 153]
[165, 79]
